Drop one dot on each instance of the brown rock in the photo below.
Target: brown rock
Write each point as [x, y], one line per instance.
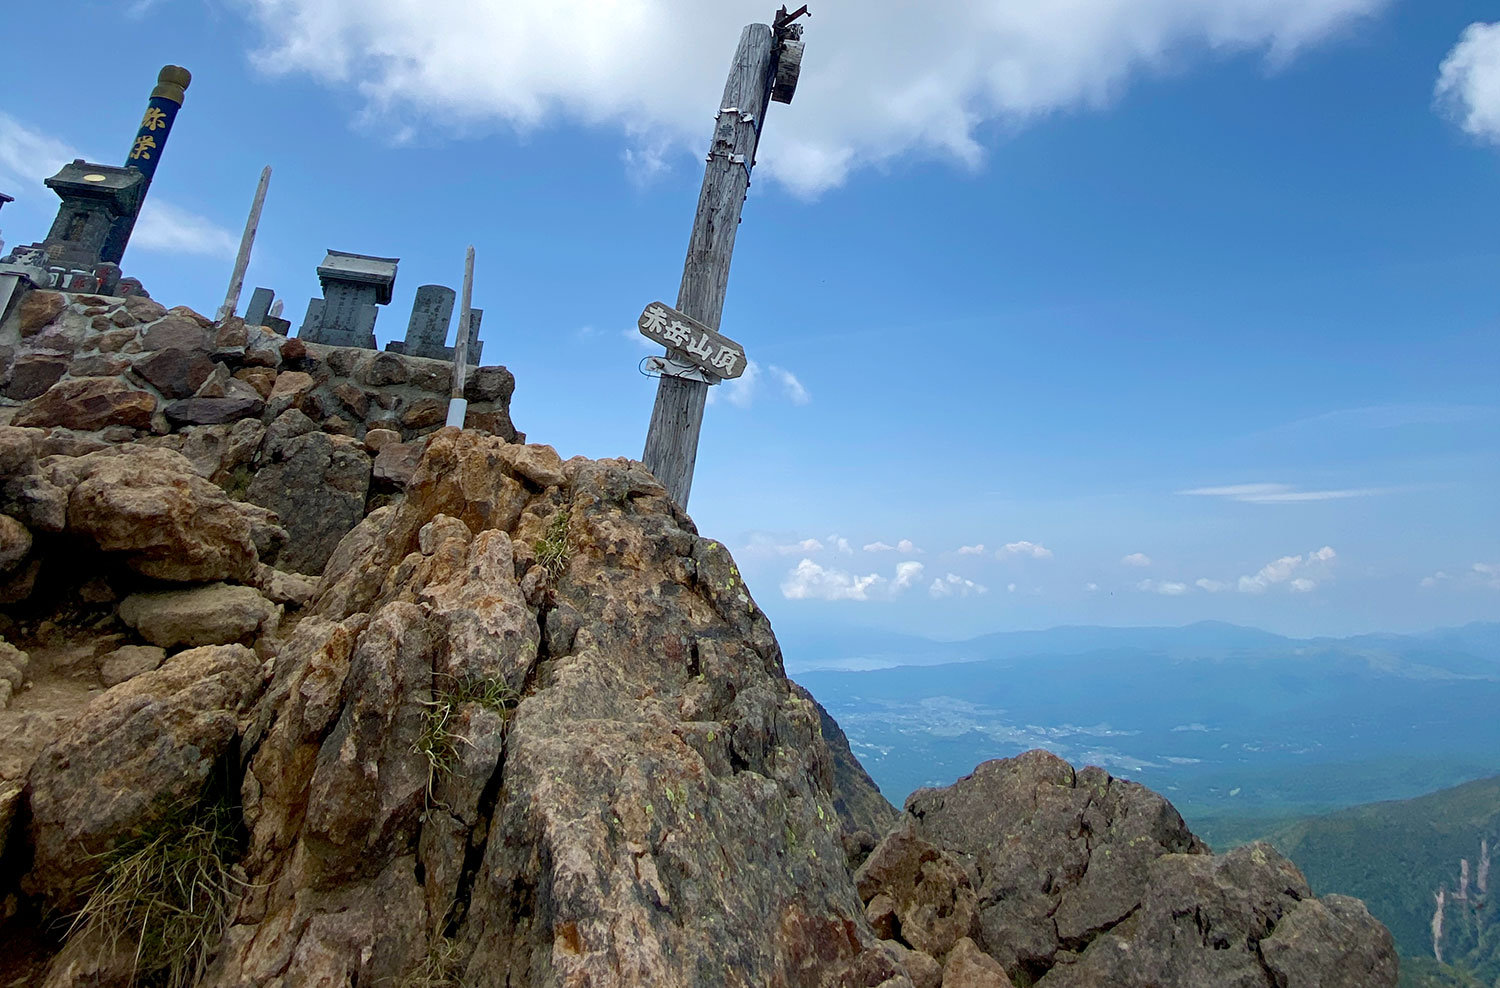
[90, 404]
[376, 439]
[337, 425]
[231, 334]
[932, 897]
[291, 589]
[138, 751]
[353, 398]
[293, 351]
[430, 375]
[38, 309]
[174, 372]
[496, 423]
[288, 390]
[217, 614]
[264, 349]
[924, 970]
[143, 308]
[539, 464]
[970, 967]
[33, 373]
[149, 505]
[880, 913]
[122, 317]
[211, 411]
[262, 379]
[184, 312]
[99, 365]
[396, 462]
[424, 412]
[1332, 942]
[14, 664]
[174, 332]
[115, 340]
[15, 543]
[128, 662]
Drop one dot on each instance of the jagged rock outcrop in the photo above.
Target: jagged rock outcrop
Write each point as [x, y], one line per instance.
[1082, 880]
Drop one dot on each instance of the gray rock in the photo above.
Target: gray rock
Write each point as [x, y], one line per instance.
[15, 543]
[212, 411]
[317, 484]
[128, 662]
[217, 614]
[396, 462]
[174, 372]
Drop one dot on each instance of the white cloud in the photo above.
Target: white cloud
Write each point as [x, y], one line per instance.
[954, 585]
[1165, 587]
[1435, 579]
[840, 544]
[1489, 574]
[971, 550]
[1296, 571]
[1024, 548]
[162, 226]
[739, 392]
[1136, 559]
[906, 546]
[30, 155]
[1091, 587]
[907, 575]
[762, 544]
[790, 386]
[1010, 588]
[634, 336]
[1478, 575]
[1468, 86]
[1212, 586]
[652, 69]
[879, 547]
[809, 581]
[1278, 493]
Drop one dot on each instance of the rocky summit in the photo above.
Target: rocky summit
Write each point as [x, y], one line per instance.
[299, 689]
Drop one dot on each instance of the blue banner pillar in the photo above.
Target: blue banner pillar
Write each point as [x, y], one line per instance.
[146, 150]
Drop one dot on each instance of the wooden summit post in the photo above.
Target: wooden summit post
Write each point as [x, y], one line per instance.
[768, 57]
[458, 406]
[247, 241]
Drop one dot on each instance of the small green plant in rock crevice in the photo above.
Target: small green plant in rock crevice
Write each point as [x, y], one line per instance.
[166, 896]
[438, 742]
[552, 548]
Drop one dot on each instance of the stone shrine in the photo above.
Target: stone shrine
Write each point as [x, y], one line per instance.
[353, 284]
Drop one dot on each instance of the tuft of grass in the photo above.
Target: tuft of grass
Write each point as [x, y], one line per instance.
[169, 896]
[552, 548]
[438, 742]
[439, 969]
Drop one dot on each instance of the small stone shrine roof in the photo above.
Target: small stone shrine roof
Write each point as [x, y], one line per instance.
[86, 180]
[377, 271]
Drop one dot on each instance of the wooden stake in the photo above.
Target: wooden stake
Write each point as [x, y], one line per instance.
[677, 417]
[458, 406]
[242, 260]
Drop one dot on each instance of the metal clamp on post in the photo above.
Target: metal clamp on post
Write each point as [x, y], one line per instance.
[671, 367]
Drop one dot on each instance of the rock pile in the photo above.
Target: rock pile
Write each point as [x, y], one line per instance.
[314, 433]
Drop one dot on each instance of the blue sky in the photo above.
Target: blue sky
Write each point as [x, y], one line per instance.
[1180, 310]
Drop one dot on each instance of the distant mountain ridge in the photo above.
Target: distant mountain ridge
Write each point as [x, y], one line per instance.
[1395, 855]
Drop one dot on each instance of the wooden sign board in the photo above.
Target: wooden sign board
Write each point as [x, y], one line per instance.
[716, 354]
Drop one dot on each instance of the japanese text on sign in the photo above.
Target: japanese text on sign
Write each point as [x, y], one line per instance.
[714, 353]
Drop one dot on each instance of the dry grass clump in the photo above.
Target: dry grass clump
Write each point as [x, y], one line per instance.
[167, 897]
[552, 548]
[438, 742]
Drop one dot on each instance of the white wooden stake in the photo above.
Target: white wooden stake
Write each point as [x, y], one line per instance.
[458, 406]
[242, 260]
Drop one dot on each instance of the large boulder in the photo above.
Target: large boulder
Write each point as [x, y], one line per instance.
[139, 752]
[167, 522]
[217, 614]
[89, 404]
[317, 484]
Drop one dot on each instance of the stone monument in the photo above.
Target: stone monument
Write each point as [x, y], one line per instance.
[353, 284]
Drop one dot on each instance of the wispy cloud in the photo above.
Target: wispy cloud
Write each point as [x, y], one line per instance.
[29, 154]
[1479, 575]
[1031, 550]
[812, 581]
[745, 390]
[1212, 586]
[879, 546]
[1279, 493]
[162, 226]
[954, 585]
[1136, 559]
[971, 550]
[1168, 588]
[1295, 571]
[790, 386]
[1468, 85]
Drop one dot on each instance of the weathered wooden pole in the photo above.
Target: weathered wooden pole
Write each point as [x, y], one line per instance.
[458, 406]
[247, 241]
[677, 417]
